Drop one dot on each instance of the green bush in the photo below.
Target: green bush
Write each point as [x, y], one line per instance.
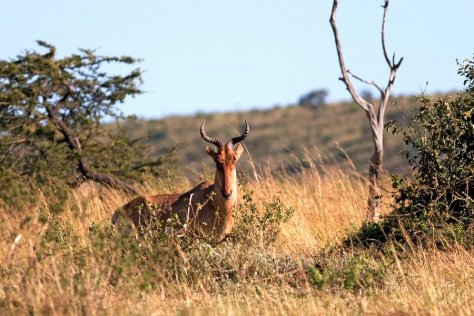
[353, 271]
[436, 203]
[260, 226]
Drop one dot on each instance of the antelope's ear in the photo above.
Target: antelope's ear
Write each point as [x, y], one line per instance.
[211, 152]
[238, 151]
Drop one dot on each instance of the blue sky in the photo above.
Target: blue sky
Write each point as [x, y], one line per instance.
[222, 55]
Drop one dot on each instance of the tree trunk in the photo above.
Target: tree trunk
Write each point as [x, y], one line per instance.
[375, 171]
[375, 167]
[376, 120]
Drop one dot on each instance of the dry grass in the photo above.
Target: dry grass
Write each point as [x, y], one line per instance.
[328, 204]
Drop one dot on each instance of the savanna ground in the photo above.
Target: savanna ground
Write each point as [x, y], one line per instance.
[75, 263]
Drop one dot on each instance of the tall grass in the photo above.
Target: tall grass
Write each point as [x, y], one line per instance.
[75, 263]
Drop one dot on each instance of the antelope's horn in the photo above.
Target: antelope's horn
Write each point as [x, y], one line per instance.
[208, 139]
[235, 140]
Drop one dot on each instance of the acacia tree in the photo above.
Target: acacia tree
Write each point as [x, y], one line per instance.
[51, 124]
[375, 117]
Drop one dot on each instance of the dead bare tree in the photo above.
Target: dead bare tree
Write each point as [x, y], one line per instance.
[376, 120]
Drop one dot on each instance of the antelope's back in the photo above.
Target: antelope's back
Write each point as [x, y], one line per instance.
[141, 209]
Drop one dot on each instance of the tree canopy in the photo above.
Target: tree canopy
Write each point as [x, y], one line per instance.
[52, 131]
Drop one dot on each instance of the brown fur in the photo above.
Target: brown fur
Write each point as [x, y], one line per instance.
[207, 209]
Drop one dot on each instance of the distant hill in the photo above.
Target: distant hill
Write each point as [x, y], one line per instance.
[280, 136]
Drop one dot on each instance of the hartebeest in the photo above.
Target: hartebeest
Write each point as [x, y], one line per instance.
[206, 209]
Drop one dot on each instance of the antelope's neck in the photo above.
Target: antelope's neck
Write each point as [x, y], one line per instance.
[218, 188]
[223, 216]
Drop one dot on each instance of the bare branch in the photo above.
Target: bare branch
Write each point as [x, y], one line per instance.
[345, 74]
[384, 48]
[386, 96]
[370, 83]
[397, 65]
[393, 71]
[391, 63]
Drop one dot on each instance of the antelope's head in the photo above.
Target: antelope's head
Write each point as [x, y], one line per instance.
[225, 159]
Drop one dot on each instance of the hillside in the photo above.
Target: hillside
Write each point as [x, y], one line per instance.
[280, 136]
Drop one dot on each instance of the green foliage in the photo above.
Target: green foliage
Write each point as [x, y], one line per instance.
[436, 204]
[319, 277]
[52, 132]
[260, 226]
[466, 69]
[351, 271]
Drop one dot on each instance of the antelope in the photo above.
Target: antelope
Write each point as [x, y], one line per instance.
[208, 208]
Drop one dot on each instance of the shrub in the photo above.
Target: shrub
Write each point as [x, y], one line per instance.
[353, 271]
[436, 203]
[260, 227]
